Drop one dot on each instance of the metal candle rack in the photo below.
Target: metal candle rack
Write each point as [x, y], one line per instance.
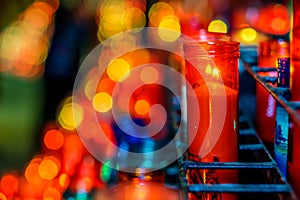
[259, 175]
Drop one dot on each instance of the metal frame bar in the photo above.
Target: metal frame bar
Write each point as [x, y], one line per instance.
[240, 188]
[290, 106]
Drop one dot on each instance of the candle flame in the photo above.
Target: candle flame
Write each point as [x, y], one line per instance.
[208, 69]
[216, 73]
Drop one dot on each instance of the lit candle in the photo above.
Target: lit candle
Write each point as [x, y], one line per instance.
[268, 52]
[216, 138]
[225, 149]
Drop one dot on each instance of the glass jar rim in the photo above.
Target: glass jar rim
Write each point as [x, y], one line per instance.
[212, 48]
[203, 35]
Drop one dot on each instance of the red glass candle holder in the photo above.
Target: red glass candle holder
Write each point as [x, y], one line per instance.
[268, 52]
[217, 62]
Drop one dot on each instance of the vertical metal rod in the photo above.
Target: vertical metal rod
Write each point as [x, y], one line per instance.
[282, 117]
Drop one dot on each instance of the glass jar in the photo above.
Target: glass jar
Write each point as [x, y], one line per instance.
[212, 71]
[268, 52]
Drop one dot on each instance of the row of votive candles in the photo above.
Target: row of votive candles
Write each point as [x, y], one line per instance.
[268, 53]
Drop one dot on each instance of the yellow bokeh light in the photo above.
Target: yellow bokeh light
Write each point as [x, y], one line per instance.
[217, 26]
[102, 102]
[118, 70]
[112, 7]
[248, 34]
[141, 107]
[100, 35]
[111, 25]
[158, 11]
[149, 75]
[216, 72]
[116, 16]
[169, 29]
[11, 41]
[208, 69]
[24, 44]
[49, 168]
[70, 116]
[134, 18]
[64, 180]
